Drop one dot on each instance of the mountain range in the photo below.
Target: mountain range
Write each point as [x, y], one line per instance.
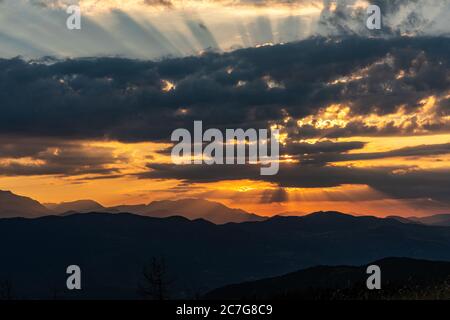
[112, 249]
[191, 209]
[433, 220]
[12, 205]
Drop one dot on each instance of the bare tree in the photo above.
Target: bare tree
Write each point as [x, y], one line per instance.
[156, 280]
[6, 290]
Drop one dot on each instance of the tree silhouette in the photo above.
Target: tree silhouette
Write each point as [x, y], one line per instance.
[156, 280]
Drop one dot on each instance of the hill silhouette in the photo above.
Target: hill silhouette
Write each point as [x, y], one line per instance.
[111, 249]
[400, 277]
[12, 205]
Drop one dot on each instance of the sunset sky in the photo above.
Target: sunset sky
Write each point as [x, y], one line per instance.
[364, 116]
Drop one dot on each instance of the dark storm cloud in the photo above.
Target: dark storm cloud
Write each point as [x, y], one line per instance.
[294, 148]
[123, 99]
[326, 146]
[31, 156]
[416, 151]
[314, 172]
[394, 182]
[17, 169]
[16, 147]
[399, 181]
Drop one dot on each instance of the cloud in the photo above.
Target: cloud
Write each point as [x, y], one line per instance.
[395, 183]
[416, 151]
[173, 4]
[399, 17]
[39, 156]
[320, 147]
[318, 88]
[141, 29]
[123, 99]
[163, 3]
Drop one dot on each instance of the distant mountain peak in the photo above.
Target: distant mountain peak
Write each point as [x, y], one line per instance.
[433, 220]
[81, 206]
[13, 205]
[194, 208]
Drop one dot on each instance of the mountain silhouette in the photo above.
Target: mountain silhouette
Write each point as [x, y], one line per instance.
[403, 219]
[79, 206]
[191, 209]
[398, 276]
[12, 205]
[112, 249]
[434, 220]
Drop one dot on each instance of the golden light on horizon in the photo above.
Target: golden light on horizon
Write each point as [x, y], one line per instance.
[389, 143]
[132, 158]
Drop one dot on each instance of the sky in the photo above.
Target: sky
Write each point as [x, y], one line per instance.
[363, 115]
